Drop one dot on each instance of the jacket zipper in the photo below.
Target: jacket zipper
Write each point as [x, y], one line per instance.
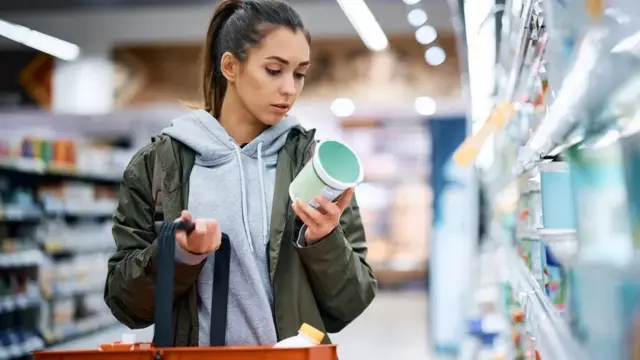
[286, 218]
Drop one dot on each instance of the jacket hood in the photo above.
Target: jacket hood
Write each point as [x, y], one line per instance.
[203, 133]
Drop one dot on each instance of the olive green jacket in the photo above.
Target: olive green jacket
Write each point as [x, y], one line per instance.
[326, 285]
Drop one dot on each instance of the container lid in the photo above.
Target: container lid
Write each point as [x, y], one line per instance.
[553, 166]
[337, 165]
[313, 333]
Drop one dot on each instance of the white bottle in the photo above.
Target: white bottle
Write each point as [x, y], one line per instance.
[307, 336]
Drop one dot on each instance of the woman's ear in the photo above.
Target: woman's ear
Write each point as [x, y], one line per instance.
[229, 66]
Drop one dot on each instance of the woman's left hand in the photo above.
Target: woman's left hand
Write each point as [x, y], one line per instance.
[320, 222]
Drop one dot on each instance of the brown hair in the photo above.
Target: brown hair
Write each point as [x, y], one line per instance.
[236, 26]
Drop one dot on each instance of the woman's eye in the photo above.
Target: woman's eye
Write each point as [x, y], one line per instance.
[273, 72]
[300, 75]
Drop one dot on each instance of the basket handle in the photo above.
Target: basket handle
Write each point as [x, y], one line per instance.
[165, 257]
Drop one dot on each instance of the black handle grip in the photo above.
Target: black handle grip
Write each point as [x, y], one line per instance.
[187, 226]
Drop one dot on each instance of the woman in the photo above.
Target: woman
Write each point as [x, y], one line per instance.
[230, 164]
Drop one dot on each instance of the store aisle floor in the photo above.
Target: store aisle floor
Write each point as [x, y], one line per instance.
[393, 327]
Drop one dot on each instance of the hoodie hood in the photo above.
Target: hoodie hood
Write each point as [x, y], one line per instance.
[203, 133]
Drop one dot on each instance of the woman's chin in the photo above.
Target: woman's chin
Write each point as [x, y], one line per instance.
[271, 119]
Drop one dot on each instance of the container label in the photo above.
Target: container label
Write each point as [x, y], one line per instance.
[328, 193]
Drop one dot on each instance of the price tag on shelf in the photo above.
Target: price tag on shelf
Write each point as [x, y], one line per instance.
[53, 246]
[595, 9]
[46, 334]
[46, 291]
[468, 151]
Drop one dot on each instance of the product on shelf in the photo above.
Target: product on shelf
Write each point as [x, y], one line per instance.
[61, 156]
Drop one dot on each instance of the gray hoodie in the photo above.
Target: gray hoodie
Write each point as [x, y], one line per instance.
[234, 186]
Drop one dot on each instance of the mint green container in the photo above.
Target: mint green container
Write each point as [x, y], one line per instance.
[334, 168]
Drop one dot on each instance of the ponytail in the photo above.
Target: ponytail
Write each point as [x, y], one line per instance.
[214, 84]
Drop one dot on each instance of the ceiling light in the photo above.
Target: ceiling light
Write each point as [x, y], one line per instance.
[426, 34]
[417, 17]
[411, 2]
[365, 24]
[39, 41]
[435, 56]
[425, 106]
[343, 107]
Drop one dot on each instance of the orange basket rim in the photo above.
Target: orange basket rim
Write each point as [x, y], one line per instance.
[184, 349]
[242, 348]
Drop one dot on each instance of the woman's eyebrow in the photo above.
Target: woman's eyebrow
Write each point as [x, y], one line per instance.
[285, 61]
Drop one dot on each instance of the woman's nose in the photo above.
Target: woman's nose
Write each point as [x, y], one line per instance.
[288, 86]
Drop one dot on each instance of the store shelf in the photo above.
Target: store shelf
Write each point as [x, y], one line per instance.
[550, 330]
[76, 330]
[21, 259]
[563, 119]
[35, 167]
[54, 227]
[12, 303]
[19, 214]
[21, 344]
[59, 249]
[72, 289]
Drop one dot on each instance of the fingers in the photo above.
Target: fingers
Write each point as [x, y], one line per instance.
[212, 227]
[181, 235]
[206, 236]
[307, 214]
[185, 216]
[328, 207]
[345, 199]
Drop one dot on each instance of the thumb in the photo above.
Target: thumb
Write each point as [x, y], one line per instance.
[345, 199]
[185, 216]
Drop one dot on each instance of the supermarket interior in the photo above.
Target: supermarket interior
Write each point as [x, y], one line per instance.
[497, 143]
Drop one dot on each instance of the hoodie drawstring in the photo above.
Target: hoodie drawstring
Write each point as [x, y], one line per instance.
[263, 195]
[243, 195]
[265, 211]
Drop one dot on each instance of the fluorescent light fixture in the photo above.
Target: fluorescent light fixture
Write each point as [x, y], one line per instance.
[417, 17]
[435, 56]
[411, 2]
[426, 34]
[425, 106]
[365, 24]
[343, 107]
[48, 44]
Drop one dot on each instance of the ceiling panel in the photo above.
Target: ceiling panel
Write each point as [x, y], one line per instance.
[65, 5]
[96, 30]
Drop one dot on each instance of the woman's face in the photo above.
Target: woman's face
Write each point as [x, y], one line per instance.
[272, 77]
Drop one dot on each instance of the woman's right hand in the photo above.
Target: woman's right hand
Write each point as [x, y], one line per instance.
[204, 239]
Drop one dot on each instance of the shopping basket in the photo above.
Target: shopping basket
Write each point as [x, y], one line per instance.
[161, 348]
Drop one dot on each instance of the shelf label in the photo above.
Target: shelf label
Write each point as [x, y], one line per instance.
[468, 151]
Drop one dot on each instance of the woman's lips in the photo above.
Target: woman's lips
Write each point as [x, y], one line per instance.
[280, 109]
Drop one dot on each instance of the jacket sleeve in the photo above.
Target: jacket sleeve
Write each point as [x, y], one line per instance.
[131, 279]
[342, 281]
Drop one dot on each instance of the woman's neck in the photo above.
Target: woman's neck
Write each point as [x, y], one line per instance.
[237, 121]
